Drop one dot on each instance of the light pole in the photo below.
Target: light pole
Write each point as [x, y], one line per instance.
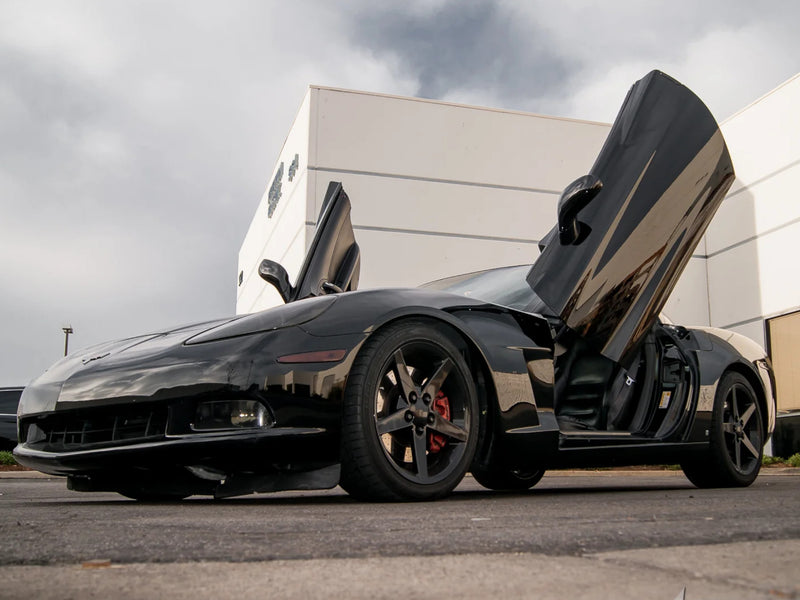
[67, 330]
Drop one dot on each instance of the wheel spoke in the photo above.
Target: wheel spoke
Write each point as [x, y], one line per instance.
[728, 427]
[737, 447]
[393, 422]
[437, 379]
[750, 447]
[390, 389]
[448, 428]
[402, 375]
[748, 413]
[421, 455]
[734, 404]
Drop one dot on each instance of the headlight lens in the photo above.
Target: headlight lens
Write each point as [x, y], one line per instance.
[220, 415]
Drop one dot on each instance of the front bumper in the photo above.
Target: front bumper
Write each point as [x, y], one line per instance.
[289, 458]
[126, 420]
[250, 451]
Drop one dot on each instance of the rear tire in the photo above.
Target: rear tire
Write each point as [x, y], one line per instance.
[736, 438]
[410, 417]
[515, 480]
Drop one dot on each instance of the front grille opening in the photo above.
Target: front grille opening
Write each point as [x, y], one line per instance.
[107, 426]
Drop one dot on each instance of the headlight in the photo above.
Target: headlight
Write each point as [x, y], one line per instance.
[219, 415]
[287, 315]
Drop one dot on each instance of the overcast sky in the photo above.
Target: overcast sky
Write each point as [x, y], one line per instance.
[136, 138]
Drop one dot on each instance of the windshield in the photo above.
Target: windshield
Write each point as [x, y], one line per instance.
[505, 286]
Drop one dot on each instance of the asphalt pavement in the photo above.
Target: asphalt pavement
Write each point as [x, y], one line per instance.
[576, 534]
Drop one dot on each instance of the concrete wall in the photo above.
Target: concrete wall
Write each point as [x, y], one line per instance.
[281, 235]
[753, 243]
[439, 189]
[436, 188]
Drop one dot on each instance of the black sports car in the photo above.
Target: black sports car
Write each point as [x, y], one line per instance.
[395, 394]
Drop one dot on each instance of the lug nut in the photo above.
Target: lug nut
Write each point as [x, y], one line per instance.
[426, 399]
[413, 397]
[431, 418]
[409, 416]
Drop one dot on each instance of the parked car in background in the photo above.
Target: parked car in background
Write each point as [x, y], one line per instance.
[9, 400]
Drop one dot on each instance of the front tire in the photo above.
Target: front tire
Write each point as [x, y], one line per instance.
[410, 420]
[736, 438]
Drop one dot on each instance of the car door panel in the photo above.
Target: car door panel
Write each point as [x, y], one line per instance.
[663, 170]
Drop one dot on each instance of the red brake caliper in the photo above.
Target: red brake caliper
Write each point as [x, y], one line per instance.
[441, 405]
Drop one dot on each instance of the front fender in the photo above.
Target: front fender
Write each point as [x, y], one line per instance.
[732, 351]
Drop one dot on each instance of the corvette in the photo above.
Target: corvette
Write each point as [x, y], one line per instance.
[395, 394]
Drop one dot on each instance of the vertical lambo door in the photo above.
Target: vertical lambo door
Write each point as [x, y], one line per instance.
[625, 233]
[333, 261]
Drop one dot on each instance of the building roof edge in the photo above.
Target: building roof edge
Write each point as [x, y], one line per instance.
[459, 105]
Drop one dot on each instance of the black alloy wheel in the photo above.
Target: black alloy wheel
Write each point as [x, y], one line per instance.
[737, 438]
[410, 421]
[509, 480]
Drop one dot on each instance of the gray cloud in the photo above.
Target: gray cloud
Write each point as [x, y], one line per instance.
[137, 141]
[728, 51]
[464, 45]
[577, 58]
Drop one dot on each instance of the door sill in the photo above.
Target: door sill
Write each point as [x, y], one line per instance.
[594, 434]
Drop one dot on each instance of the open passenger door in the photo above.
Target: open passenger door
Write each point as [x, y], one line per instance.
[627, 230]
[333, 261]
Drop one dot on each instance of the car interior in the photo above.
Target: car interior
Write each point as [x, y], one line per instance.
[595, 394]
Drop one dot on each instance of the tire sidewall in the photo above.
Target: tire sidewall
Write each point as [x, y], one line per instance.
[392, 339]
[719, 449]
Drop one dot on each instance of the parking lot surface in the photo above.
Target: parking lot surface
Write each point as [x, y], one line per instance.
[576, 534]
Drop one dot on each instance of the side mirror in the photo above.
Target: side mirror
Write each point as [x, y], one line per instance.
[574, 198]
[275, 274]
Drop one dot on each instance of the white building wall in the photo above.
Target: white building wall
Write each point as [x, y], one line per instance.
[281, 236]
[688, 303]
[439, 189]
[436, 188]
[753, 243]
